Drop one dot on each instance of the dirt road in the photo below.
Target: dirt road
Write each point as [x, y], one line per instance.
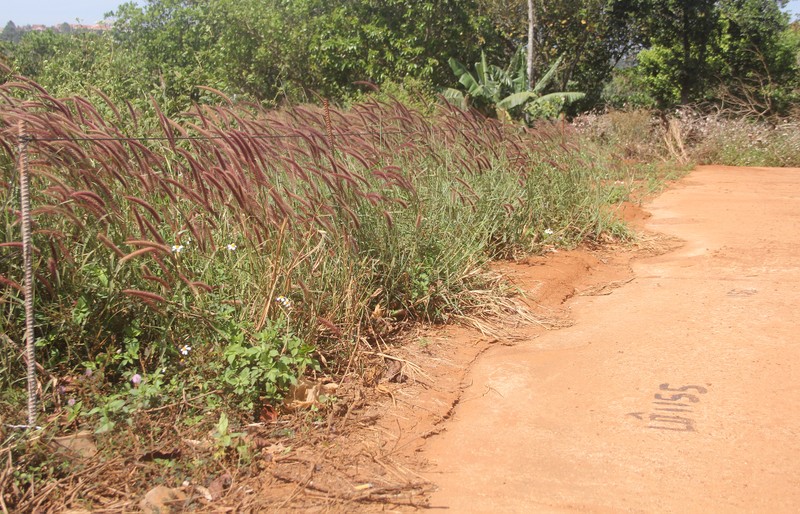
[678, 392]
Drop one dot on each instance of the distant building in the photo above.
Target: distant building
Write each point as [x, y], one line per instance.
[98, 27]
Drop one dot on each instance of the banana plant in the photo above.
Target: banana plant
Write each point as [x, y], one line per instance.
[495, 90]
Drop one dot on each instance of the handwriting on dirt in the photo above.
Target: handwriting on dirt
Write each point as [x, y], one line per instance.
[672, 408]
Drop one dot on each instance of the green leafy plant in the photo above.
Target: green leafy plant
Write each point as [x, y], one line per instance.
[261, 368]
[497, 90]
[225, 439]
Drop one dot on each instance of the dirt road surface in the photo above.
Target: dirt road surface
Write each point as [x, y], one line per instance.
[677, 392]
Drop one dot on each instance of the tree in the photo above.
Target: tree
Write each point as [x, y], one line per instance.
[683, 29]
[80, 63]
[273, 48]
[592, 36]
[728, 51]
[416, 38]
[758, 68]
[176, 42]
[10, 33]
[531, 28]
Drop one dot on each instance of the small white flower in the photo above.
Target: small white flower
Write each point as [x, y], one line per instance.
[185, 349]
[284, 302]
[231, 247]
[548, 231]
[177, 248]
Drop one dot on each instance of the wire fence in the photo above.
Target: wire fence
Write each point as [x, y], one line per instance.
[33, 139]
[200, 138]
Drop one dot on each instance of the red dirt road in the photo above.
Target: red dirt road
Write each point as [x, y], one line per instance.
[677, 392]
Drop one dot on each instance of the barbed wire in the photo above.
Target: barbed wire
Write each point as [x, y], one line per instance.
[30, 138]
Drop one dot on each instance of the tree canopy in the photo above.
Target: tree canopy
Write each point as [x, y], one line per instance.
[661, 52]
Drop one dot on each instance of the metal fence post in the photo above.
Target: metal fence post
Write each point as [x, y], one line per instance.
[27, 256]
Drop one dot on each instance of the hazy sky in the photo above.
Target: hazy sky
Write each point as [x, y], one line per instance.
[52, 12]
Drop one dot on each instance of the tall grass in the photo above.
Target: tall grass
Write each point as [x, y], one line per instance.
[230, 228]
[194, 267]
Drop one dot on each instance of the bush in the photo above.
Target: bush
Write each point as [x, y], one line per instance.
[748, 143]
[695, 136]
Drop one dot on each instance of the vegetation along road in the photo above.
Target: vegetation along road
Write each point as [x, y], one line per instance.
[269, 243]
[676, 393]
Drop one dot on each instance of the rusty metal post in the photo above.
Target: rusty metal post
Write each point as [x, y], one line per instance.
[27, 256]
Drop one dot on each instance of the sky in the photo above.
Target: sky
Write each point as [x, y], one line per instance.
[53, 12]
[89, 12]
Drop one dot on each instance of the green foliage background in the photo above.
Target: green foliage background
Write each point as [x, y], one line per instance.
[648, 52]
